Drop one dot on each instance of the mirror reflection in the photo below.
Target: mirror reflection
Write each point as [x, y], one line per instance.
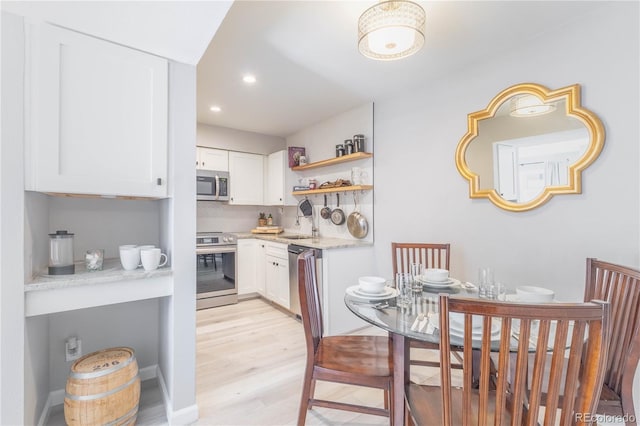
[529, 144]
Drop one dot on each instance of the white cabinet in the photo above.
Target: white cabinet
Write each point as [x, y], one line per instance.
[212, 159]
[98, 116]
[274, 181]
[247, 268]
[277, 274]
[261, 252]
[246, 178]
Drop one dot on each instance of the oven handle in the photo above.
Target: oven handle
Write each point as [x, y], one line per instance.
[215, 250]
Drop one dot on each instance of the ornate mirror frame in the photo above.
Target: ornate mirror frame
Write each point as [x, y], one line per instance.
[571, 96]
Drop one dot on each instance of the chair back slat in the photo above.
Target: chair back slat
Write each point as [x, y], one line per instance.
[516, 399]
[310, 309]
[620, 286]
[431, 255]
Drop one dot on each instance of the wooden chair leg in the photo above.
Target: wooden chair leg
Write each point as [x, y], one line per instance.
[308, 388]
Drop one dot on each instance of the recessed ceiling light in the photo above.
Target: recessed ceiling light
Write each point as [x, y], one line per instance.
[215, 108]
[249, 78]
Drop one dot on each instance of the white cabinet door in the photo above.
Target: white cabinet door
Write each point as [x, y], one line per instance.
[212, 159]
[246, 178]
[98, 115]
[274, 189]
[247, 266]
[277, 273]
[261, 268]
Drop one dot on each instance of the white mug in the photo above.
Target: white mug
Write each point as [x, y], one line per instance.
[151, 259]
[129, 257]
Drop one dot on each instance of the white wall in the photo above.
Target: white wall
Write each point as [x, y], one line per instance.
[237, 140]
[420, 196]
[12, 390]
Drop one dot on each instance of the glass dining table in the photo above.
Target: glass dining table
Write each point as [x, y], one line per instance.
[417, 319]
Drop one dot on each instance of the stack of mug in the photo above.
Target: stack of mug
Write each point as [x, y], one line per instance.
[149, 257]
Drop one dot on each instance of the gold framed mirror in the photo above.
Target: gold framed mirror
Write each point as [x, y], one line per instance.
[529, 144]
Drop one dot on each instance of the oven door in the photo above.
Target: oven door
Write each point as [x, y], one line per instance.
[216, 276]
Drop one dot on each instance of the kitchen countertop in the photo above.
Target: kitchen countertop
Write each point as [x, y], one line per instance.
[112, 272]
[321, 243]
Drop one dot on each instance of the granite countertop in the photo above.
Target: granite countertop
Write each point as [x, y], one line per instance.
[321, 243]
[111, 272]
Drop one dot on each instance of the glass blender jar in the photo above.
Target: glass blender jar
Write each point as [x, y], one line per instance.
[61, 253]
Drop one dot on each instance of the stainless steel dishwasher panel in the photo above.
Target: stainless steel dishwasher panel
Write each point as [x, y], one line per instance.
[294, 297]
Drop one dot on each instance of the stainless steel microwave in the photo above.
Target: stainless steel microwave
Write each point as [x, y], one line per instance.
[212, 185]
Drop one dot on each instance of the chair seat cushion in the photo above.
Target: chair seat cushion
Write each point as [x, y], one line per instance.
[363, 355]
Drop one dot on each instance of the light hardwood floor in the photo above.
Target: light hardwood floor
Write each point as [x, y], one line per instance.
[250, 363]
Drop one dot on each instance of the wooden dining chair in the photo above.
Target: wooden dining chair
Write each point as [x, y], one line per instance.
[557, 329]
[620, 286]
[354, 360]
[431, 255]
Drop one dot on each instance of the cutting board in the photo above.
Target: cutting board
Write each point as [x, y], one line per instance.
[267, 230]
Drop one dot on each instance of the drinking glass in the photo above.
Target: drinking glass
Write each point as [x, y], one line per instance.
[416, 269]
[403, 285]
[485, 282]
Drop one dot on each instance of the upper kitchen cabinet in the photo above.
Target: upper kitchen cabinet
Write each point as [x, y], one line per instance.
[98, 117]
[274, 182]
[212, 159]
[246, 178]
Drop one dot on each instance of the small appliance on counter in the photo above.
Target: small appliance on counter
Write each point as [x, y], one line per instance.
[61, 253]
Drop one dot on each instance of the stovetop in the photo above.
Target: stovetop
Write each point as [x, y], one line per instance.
[206, 239]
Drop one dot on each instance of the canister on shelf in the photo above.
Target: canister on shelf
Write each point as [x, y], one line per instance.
[61, 253]
[348, 147]
[339, 150]
[358, 143]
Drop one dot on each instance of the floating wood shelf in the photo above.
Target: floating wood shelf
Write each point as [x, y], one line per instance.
[332, 161]
[340, 189]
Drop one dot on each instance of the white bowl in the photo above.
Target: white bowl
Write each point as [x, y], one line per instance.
[529, 293]
[372, 285]
[437, 275]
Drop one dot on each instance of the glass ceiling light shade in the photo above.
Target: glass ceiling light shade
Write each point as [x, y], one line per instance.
[529, 106]
[391, 30]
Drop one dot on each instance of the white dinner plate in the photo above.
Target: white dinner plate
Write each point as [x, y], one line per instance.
[387, 294]
[476, 334]
[516, 298]
[361, 292]
[451, 282]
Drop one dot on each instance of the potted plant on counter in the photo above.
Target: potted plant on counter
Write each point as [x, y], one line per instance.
[262, 220]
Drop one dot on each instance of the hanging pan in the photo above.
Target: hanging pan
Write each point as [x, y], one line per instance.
[357, 223]
[337, 215]
[325, 213]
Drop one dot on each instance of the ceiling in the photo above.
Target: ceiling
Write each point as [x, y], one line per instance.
[305, 58]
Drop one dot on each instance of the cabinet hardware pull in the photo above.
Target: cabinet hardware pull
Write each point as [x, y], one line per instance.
[159, 181]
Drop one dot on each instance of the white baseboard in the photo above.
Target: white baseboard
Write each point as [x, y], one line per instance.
[56, 397]
[184, 416]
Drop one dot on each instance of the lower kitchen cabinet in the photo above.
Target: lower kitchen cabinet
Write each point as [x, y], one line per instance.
[247, 275]
[263, 267]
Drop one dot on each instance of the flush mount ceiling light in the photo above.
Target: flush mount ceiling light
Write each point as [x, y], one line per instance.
[249, 78]
[529, 106]
[215, 108]
[391, 30]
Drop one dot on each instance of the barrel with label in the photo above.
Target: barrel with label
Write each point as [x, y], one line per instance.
[103, 387]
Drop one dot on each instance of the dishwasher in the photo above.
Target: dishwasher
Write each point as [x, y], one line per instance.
[294, 297]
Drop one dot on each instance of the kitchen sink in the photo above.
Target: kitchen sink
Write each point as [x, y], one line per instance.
[295, 237]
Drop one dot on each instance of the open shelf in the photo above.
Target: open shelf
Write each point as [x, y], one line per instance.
[340, 189]
[332, 161]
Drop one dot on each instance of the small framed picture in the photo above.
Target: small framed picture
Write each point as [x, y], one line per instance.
[294, 155]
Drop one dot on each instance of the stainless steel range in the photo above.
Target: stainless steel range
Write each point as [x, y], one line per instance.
[216, 271]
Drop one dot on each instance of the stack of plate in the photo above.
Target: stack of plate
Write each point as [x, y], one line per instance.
[386, 293]
[449, 282]
[456, 327]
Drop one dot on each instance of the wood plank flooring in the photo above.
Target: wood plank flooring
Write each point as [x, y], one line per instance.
[250, 364]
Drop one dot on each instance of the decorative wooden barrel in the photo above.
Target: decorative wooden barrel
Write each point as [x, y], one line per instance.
[103, 387]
